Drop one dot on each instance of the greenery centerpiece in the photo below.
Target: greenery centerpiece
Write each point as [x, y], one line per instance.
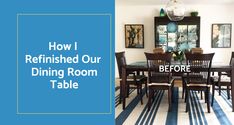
[178, 56]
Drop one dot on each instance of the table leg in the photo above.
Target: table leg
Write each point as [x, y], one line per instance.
[124, 77]
[138, 72]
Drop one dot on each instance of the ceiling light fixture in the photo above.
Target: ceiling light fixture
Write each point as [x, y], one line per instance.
[175, 10]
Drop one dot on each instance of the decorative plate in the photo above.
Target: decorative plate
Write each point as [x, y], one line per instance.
[171, 27]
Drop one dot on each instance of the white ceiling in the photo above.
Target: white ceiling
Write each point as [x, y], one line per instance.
[155, 2]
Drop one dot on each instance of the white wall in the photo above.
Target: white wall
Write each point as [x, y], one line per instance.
[144, 14]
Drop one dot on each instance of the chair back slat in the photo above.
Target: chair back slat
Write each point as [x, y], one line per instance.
[199, 64]
[231, 64]
[121, 61]
[232, 58]
[154, 60]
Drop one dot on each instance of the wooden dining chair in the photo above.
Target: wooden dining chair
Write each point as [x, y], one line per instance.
[223, 79]
[159, 80]
[194, 76]
[132, 77]
[199, 63]
[158, 50]
[196, 50]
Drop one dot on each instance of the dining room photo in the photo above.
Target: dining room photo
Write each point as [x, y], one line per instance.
[174, 62]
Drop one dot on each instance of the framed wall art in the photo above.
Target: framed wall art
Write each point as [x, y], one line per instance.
[134, 36]
[221, 35]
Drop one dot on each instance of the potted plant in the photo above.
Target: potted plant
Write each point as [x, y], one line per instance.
[194, 13]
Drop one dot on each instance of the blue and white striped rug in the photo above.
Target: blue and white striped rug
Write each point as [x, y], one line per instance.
[137, 114]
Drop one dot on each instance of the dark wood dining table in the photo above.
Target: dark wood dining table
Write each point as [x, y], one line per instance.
[142, 66]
